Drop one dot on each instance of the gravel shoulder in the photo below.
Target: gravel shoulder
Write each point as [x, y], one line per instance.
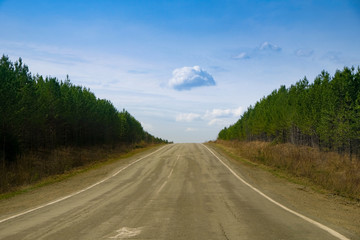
[322, 206]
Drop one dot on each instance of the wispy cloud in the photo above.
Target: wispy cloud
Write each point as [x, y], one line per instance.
[218, 69]
[242, 55]
[92, 69]
[222, 116]
[217, 121]
[304, 53]
[187, 117]
[134, 71]
[223, 113]
[189, 129]
[333, 56]
[266, 46]
[264, 49]
[187, 78]
[212, 117]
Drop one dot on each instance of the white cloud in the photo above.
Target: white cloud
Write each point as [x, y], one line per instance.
[91, 69]
[223, 113]
[242, 55]
[217, 121]
[266, 48]
[304, 53]
[191, 129]
[269, 46]
[222, 116]
[187, 78]
[333, 57]
[187, 117]
[212, 117]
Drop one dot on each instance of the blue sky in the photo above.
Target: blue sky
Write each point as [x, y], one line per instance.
[184, 69]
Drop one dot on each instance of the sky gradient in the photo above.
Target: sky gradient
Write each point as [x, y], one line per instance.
[184, 69]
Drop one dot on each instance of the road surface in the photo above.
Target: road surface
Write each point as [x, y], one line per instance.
[181, 191]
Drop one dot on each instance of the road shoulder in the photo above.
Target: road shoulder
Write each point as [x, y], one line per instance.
[86, 176]
[331, 210]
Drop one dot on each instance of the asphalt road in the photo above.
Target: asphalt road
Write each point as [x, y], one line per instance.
[181, 191]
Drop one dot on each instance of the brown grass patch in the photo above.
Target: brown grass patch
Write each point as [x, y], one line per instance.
[35, 167]
[332, 171]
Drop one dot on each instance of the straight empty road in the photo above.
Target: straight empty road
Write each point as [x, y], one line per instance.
[181, 191]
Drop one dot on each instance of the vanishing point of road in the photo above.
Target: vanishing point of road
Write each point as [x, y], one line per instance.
[179, 191]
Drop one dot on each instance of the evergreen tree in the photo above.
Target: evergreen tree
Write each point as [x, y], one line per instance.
[323, 114]
[43, 113]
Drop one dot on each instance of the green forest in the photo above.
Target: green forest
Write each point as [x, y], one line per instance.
[42, 114]
[324, 114]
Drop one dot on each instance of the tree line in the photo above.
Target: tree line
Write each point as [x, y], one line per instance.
[324, 114]
[38, 113]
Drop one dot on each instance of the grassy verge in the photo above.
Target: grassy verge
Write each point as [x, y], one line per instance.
[322, 171]
[91, 158]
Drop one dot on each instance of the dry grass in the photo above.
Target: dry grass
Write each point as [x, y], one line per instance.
[331, 171]
[35, 167]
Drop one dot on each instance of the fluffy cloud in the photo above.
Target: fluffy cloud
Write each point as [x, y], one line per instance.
[187, 78]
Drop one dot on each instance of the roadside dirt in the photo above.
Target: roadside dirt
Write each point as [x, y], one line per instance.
[322, 206]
